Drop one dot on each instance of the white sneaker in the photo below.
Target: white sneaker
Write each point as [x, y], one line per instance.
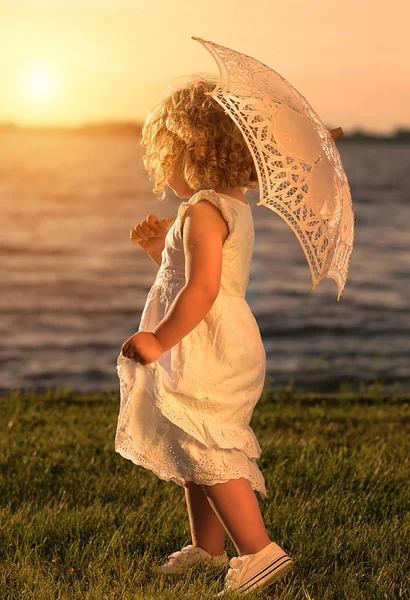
[181, 560]
[250, 571]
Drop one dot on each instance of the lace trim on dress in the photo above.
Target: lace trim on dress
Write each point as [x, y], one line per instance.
[125, 446]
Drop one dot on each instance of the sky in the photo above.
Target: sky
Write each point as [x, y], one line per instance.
[69, 62]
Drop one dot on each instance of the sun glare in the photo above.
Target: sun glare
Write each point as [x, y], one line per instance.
[39, 84]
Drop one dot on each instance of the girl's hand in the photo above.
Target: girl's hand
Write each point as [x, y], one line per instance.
[143, 347]
[150, 233]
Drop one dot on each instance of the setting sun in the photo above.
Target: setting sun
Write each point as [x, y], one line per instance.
[39, 84]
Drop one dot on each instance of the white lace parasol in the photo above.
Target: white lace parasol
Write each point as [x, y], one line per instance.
[300, 173]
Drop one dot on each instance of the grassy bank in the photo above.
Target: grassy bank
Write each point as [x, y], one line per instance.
[79, 521]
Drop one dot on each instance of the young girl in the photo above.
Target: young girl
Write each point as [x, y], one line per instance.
[193, 373]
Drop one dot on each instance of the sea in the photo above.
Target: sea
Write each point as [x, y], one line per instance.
[73, 286]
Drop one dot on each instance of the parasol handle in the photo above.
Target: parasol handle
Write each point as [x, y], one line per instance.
[335, 133]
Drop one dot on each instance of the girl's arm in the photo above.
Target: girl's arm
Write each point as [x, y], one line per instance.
[188, 309]
[204, 233]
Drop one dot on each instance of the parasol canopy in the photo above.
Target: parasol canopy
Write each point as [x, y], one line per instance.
[300, 173]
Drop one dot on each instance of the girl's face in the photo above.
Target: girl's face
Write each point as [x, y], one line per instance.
[181, 189]
[178, 184]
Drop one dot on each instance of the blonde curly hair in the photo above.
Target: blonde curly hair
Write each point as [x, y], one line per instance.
[190, 134]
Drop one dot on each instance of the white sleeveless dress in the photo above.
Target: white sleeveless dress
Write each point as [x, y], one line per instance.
[186, 415]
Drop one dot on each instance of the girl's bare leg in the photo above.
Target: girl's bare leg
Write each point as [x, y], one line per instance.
[237, 507]
[207, 530]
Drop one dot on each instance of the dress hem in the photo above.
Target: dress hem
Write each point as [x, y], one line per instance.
[180, 480]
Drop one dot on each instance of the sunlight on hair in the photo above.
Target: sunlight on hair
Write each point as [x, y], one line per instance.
[190, 131]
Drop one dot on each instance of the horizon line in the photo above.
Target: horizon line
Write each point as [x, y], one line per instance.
[128, 125]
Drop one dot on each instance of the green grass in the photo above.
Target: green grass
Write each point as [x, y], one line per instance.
[80, 521]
